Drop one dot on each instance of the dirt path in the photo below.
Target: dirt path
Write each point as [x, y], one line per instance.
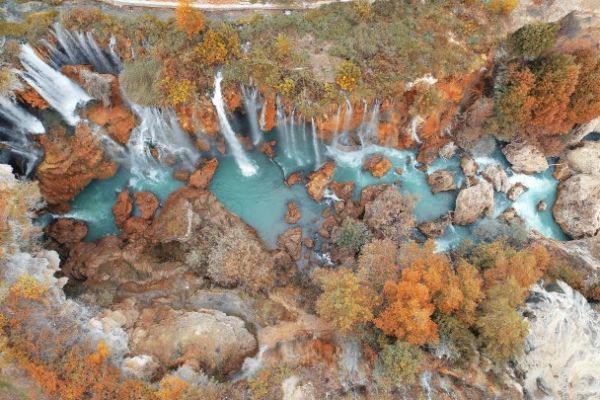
[225, 6]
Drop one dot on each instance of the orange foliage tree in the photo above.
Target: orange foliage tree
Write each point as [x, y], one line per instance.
[189, 20]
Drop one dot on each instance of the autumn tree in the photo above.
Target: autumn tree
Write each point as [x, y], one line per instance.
[218, 46]
[471, 286]
[377, 263]
[407, 315]
[189, 19]
[585, 101]
[345, 301]
[352, 234]
[501, 327]
[556, 79]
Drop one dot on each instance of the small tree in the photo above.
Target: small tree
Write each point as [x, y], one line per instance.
[532, 40]
[189, 20]
[347, 75]
[377, 263]
[345, 302]
[352, 234]
[398, 364]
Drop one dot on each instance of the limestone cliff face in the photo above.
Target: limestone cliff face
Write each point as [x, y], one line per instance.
[71, 162]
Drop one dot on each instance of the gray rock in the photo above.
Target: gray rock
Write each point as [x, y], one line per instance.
[516, 191]
[474, 202]
[468, 166]
[497, 177]
[577, 207]
[525, 157]
[441, 181]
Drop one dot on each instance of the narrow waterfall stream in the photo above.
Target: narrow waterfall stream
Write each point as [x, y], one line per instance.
[247, 167]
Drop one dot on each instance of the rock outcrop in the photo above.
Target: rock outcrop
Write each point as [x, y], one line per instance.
[202, 177]
[205, 339]
[67, 231]
[473, 203]
[378, 165]
[147, 204]
[292, 214]
[441, 181]
[389, 214]
[577, 207]
[435, 228]
[516, 191]
[291, 242]
[70, 163]
[318, 181]
[497, 177]
[122, 208]
[584, 159]
[525, 157]
[469, 166]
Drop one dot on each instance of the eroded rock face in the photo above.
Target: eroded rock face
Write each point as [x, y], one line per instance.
[497, 177]
[293, 214]
[206, 339]
[202, 177]
[525, 157]
[122, 208]
[70, 163]
[343, 190]
[67, 231]
[473, 203]
[577, 207]
[378, 165]
[441, 181]
[318, 181]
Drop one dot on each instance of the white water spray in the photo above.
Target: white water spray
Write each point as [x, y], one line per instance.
[60, 92]
[19, 118]
[414, 127]
[158, 130]
[251, 106]
[315, 144]
[247, 167]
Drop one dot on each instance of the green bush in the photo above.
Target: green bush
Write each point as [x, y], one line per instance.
[140, 82]
[532, 40]
[398, 364]
[352, 234]
[458, 340]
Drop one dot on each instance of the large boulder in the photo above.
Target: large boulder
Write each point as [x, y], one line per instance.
[584, 159]
[378, 165]
[147, 204]
[205, 339]
[577, 207]
[291, 242]
[525, 157]
[441, 181]
[435, 228]
[497, 177]
[318, 181]
[293, 213]
[67, 231]
[473, 203]
[202, 177]
[469, 166]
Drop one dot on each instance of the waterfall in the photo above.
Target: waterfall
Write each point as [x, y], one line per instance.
[373, 127]
[282, 129]
[19, 118]
[338, 118]
[15, 125]
[159, 132]
[294, 139]
[78, 48]
[414, 126]
[315, 144]
[563, 344]
[60, 92]
[348, 115]
[247, 167]
[362, 129]
[251, 106]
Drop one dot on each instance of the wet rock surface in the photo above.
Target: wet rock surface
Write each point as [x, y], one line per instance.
[473, 203]
[202, 177]
[577, 207]
[318, 180]
[292, 214]
[378, 165]
[525, 157]
[497, 177]
[441, 181]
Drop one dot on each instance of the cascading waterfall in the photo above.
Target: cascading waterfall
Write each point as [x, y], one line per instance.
[60, 92]
[159, 131]
[336, 133]
[373, 124]
[563, 345]
[362, 129]
[15, 125]
[81, 48]
[251, 105]
[247, 167]
[348, 115]
[315, 144]
[293, 138]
